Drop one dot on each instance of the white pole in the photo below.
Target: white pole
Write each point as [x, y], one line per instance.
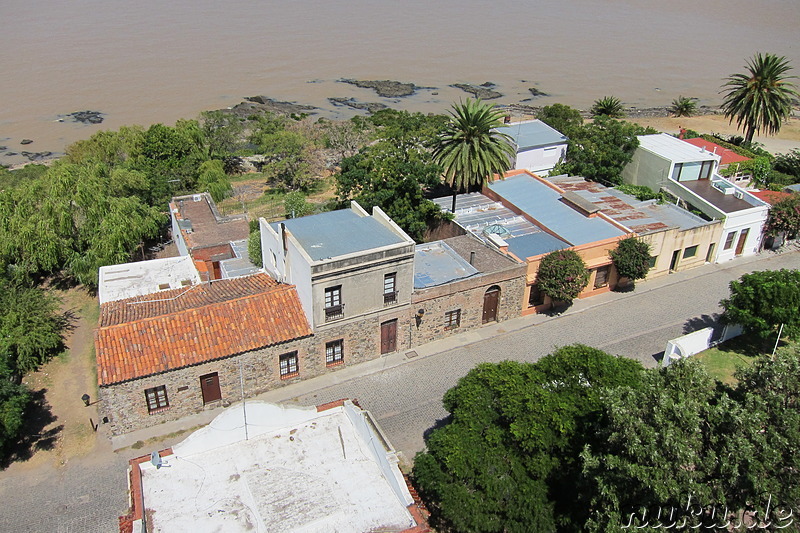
[780, 331]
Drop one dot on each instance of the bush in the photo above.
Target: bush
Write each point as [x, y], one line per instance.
[608, 106]
[254, 249]
[641, 192]
[562, 275]
[631, 258]
[296, 205]
[684, 106]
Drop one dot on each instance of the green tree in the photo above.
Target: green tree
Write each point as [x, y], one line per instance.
[561, 117]
[14, 399]
[507, 459]
[222, 132]
[760, 99]
[562, 275]
[600, 150]
[213, 180]
[762, 301]
[631, 258]
[789, 163]
[608, 106]
[784, 217]
[287, 161]
[683, 106]
[470, 150]
[296, 205]
[254, 248]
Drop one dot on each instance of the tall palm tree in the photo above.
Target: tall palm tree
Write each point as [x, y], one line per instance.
[761, 98]
[469, 149]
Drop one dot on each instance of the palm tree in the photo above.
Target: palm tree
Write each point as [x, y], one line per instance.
[683, 106]
[608, 106]
[761, 98]
[469, 149]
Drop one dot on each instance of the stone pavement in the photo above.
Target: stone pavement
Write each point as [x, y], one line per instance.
[403, 392]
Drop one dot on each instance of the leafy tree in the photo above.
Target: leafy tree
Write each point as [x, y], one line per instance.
[221, 132]
[789, 163]
[631, 258]
[212, 179]
[761, 98]
[683, 106]
[14, 399]
[507, 459]
[287, 158]
[408, 130]
[347, 137]
[561, 117]
[254, 248]
[600, 150]
[562, 275]
[296, 205]
[608, 106]
[784, 217]
[673, 438]
[470, 149]
[762, 301]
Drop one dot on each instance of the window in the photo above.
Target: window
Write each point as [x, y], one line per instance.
[288, 365]
[390, 288]
[729, 240]
[653, 259]
[156, 399]
[705, 170]
[452, 319]
[333, 303]
[676, 171]
[601, 277]
[536, 297]
[334, 352]
[690, 252]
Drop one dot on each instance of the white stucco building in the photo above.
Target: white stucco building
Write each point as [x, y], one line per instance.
[539, 147]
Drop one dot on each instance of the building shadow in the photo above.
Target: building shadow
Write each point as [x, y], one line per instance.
[703, 321]
[38, 432]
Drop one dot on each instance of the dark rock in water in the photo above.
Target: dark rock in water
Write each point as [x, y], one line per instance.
[385, 88]
[536, 92]
[434, 93]
[369, 107]
[487, 84]
[36, 156]
[257, 105]
[3, 148]
[484, 93]
[87, 117]
[11, 154]
[26, 141]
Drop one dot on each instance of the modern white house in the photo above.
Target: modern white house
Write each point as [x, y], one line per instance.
[688, 173]
[538, 146]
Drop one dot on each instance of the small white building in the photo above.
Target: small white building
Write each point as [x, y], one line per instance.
[689, 173]
[117, 282]
[538, 146]
[278, 468]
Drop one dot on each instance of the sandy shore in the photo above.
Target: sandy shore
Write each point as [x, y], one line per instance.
[786, 140]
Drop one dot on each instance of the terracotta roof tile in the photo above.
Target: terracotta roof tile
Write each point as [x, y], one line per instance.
[173, 329]
[727, 156]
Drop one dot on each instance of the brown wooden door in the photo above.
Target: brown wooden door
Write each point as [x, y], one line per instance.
[389, 337]
[490, 299]
[209, 384]
[742, 240]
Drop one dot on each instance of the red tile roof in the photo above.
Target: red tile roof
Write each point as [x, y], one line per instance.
[150, 334]
[727, 155]
[771, 197]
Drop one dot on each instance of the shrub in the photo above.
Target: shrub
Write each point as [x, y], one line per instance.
[608, 106]
[641, 192]
[684, 106]
[631, 258]
[562, 275]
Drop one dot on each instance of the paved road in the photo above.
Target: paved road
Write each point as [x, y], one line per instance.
[87, 495]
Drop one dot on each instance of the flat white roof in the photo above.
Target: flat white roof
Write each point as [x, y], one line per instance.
[117, 282]
[300, 470]
[674, 149]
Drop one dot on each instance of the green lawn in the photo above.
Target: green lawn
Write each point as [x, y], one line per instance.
[723, 360]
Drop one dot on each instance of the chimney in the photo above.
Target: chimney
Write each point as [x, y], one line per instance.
[283, 237]
[472, 258]
[682, 133]
[507, 119]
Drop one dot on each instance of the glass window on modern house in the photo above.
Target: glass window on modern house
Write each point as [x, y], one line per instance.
[333, 302]
[705, 171]
[676, 171]
[690, 252]
[288, 365]
[536, 296]
[652, 263]
[729, 240]
[390, 288]
[156, 399]
[601, 277]
[334, 352]
[452, 319]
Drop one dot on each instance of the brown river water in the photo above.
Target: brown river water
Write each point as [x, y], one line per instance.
[147, 61]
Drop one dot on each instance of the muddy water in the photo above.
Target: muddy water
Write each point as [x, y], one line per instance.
[153, 61]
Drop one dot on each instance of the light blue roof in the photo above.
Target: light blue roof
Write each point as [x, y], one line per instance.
[793, 188]
[534, 134]
[544, 205]
[337, 233]
[534, 244]
[436, 263]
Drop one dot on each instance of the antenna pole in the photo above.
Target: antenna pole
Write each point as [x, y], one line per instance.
[244, 407]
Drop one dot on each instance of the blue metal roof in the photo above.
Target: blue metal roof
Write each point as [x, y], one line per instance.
[534, 244]
[544, 205]
[436, 263]
[337, 233]
[532, 134]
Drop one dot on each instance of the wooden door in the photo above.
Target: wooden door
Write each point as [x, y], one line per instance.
[490, 300]
[389, 337]
[742, 241]
[209, 384]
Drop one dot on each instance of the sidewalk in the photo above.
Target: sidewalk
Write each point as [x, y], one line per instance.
[290, 392]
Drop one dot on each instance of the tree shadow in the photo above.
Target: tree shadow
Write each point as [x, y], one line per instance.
[557, 309]
[628, 287]
[704, 321]
[36, 434]
[440, 423]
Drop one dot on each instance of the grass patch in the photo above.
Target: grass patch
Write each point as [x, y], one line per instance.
[723, 360]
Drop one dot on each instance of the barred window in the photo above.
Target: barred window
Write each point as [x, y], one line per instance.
[334, 352]
[156, 398]
[288, 365]
[452, 319]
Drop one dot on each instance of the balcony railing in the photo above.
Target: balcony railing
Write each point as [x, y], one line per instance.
[389, 298]
[334, 312]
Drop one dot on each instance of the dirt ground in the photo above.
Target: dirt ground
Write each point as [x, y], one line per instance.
[62, 426]
[786, 140]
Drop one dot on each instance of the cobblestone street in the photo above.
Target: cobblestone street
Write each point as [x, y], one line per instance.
[88, 494]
